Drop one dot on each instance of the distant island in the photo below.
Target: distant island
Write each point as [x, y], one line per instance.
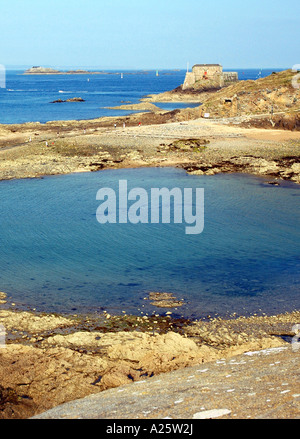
[48, 71]
[37, 70]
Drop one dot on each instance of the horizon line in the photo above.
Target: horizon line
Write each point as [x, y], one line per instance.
[115, 68]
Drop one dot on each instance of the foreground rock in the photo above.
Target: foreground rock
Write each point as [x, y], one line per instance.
[49, 360]
[255, 385]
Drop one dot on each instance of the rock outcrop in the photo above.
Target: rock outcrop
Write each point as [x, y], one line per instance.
[60, 101]
[143, 106]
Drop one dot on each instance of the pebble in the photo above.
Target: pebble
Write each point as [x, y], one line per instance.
[211, 414]
[179, 401]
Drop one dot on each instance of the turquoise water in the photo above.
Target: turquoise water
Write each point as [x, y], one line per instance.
[55, 256]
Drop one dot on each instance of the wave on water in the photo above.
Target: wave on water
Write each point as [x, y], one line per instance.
[23, 91]
[72, 92]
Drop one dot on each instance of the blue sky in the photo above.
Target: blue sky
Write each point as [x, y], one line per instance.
[143, 34]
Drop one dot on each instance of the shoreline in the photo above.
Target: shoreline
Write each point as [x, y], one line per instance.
[235, 130]
[50, 359]
[156, 139]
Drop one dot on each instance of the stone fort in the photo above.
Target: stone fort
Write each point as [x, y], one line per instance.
[204, 76]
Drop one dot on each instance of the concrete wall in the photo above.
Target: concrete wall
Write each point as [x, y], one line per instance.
[211, 72]
[230, 77]
[189, 80]
[208, 76]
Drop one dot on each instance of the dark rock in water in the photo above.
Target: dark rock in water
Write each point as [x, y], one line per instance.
[75, 100]
[274, 183]
[60, 101]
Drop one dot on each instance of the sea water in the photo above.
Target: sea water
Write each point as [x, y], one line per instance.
[55, 256]
[28, 98]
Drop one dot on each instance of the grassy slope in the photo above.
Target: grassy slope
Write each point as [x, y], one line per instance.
[256, 97]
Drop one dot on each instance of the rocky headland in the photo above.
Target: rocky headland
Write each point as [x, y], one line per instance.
[271, 102]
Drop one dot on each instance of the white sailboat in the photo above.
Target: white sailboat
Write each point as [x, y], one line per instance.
[121, 75]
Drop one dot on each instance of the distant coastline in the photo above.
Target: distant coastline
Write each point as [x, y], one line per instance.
[37, 70]
[49, 71]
